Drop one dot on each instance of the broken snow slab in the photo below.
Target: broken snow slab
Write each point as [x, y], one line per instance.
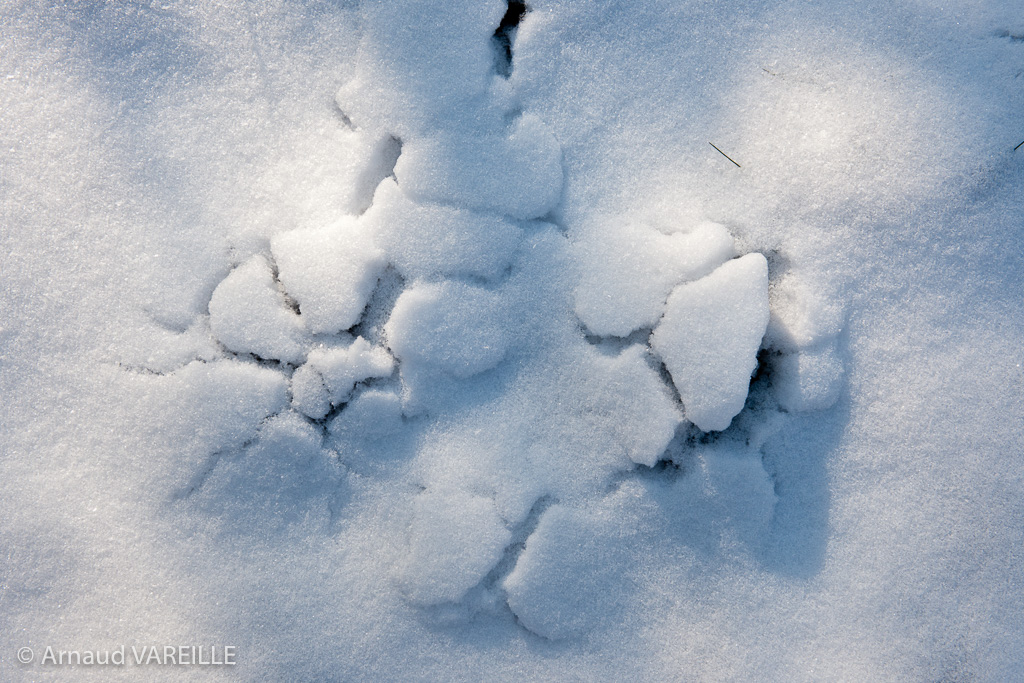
[809, 380]
[709, 338]
[628, 270]
[329, 271]
[517, 172]
[427, 240]
[330, 375]
[284, 481]
[249, 314]
[630, 387]
[452, 326]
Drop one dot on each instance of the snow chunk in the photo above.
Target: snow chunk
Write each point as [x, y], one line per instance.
[571, 575]
[547, 590]
[420, 63]
[248, 314]
[454, 540]
[330, 271]
[330, 375]
[518, 174]
[309, 395]
[709, 339]
[451, 326]
[627, 272]
[324, 170]
[800, 316]
[729, 492]
[424, 240]
[342, 368]
[285, 480]
[631, 388]
[220, 405]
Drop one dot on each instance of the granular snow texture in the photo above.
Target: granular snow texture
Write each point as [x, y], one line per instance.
[434, 341]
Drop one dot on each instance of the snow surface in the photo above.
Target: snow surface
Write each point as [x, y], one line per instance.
[328, 333]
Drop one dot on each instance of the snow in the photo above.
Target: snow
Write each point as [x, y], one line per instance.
[342, 368]
[313, 263]
[249, 315]
[425, 241]
[516, 173]
[627, 271]
[454, 539]
[810, 380]
[330, 374]
[453, 327]
[709, 337]
[335, 333]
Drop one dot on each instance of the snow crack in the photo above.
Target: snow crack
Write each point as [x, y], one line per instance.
[505, 35]
[518, 360]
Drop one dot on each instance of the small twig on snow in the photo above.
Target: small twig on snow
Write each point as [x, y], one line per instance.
[731, 159]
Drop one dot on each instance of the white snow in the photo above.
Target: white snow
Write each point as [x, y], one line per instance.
[454, 540]
[329, 375]
[342, 368]
[454, 327]
[517, 172]
[248, 314]
[627, 271]
[329, 271]
[810, 380]
[428, 240]
[385, 347]
[709, 339]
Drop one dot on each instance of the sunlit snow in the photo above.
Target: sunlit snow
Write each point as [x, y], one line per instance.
[482, 340]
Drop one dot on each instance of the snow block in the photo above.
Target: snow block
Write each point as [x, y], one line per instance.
[627, 271]
[283, 481]
[809, 380]
[371, 414]
[709, 338]
[309, 394]
[226, 400]
[801, 316]
[638, 408]
[421, 63]
[517, 174]
[453, 327]
[331, 373]
[248, 314]
[569, 576]
[342, 368]
[427, 240]
[330, 272]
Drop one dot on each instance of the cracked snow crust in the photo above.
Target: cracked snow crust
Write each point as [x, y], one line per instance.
[527, 370]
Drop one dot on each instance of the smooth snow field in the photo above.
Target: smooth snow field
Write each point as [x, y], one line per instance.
[474, 340]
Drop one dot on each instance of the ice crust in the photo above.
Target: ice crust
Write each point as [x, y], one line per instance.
[459, 377]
